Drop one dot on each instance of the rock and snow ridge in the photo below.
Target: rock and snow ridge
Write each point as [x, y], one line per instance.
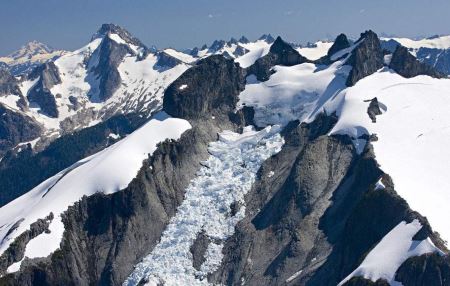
[107, 171]
[398, 245]
[226, 177]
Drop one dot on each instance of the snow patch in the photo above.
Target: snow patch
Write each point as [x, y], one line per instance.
[387, 256]
[225, 178]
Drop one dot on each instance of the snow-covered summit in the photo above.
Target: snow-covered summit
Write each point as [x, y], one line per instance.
[29, 56]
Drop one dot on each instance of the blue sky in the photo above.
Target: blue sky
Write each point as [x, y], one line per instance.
[68, 24]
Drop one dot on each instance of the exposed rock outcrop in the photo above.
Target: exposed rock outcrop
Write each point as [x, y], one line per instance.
[40, 93]
[210, 88]
[9, 85]
[166, 61]
[15, 127]
[339, 44]
[16, 250]
[427, 269]
[280, 53]
[104, 67]
[366, 58]
[408, 66]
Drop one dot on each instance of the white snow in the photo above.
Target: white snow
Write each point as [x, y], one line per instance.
[442, 42]
[314, 53]
[383, 261]
[293, 92]
[413, 131]
[180, 55]
[413, 136]
[14, 267]
[10, 101]
[107, 171]
[225, 178]
[256, 49]
[295, 275]
[183, 86]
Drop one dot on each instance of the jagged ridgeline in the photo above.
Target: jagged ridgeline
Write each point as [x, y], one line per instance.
[242, 163]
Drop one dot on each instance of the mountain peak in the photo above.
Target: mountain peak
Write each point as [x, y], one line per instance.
[108, 29]
[268, 38]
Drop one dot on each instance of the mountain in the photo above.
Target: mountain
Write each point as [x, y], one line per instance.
[434, 51]
[29, 56]
[267, 167]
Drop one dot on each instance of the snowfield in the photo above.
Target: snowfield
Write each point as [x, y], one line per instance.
[394, 249]
[413, 131]
[293, 92]
[413, 136]
[107, 171]
[225, 178]
[315, 53]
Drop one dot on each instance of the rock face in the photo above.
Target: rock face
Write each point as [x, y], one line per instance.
[166, 61]
[15, 128]
[437, 58]
[339, 44]
[280, 53]
[107, 234]
[210, 88]
[16, 251]
[408, 66]
[110, 55]
[314, 221]
[40, 93]
[366, 58]
[9, 85]
[106, 29]
[428, 269]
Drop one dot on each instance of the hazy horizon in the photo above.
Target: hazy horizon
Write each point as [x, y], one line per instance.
[182, 24]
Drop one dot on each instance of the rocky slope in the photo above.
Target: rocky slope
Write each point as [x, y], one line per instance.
[313, 194]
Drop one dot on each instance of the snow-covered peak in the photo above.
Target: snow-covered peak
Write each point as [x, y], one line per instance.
[29, 56]
[441, 42]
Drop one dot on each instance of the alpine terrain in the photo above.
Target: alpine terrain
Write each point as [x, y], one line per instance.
[245, 162]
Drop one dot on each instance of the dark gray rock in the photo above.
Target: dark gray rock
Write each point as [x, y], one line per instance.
[198, 249]
[105, 29]
[268, 38]
[107, 58]
[212, 89]
[15, 252]
[408, 66]
[243, 40]
[166, 61]
[437, 58]
[40, 93]
[9, 85]
[428, 269]
[339, 44]
[360, 281]
[217, 45]
[374, 109]
[280, 53]
[240, 51]
[366, 58]
[16, 127]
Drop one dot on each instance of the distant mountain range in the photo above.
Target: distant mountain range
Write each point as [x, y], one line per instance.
[240, 163]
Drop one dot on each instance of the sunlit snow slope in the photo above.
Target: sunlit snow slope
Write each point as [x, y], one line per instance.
[107, 171]
[413, 132]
